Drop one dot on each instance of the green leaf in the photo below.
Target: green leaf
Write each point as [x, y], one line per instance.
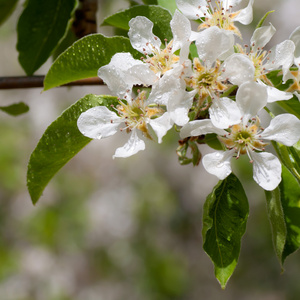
[292, 106]
[290, 196]
[225, 216]
[290, 157]
[160, 17]
[150, 2]
[61, 141]
[40, 28]
[261, 22]
[277, 221]
[212, 141]
[168, 4]
[15, 109]
[84, 58]
[6, 9]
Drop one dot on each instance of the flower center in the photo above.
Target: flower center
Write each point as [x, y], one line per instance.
[137, 114]
[162, 60]
[258, 59]
[221, 17]
[244, 138]
[205, 80]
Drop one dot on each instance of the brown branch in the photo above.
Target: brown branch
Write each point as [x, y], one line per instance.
[24, 82]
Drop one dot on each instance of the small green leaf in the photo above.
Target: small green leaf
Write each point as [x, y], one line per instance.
[150, 2]
[61, 141]
[291, 106]
[6, 9]
[290, 157]
[84, 58]
[277, 221]
[160, 17]
[212, 141]
[168, 4]
[290, 197]
[40, 28]
[225, 215]
[15, 109]
[261, 22]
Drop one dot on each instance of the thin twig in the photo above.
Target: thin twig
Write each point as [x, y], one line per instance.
[25, 82]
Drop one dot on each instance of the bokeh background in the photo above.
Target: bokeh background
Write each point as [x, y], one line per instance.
[120, 229]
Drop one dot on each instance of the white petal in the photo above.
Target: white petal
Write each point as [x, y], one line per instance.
[284, 128]
[251, 97]
[218, 163]
[133, 146]
[212, 43]
[98, 122]
[181, 29]
[178, 106]
[141, 74]
[224, 112]
[141, 35]
[199, 127]
[281, 55]
[245, 16]
[163, 89]
[238, 69]
[266, 170]
[116, 76]
[190, 8]
[295, 37]
[161, 125]
[232, 3]
[275, 94]
[261, 37]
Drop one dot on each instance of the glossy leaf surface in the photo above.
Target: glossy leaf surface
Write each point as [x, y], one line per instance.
[84, 58]
[224, 222]
[61, 141]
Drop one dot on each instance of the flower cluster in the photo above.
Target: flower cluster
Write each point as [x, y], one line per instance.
[218, 88]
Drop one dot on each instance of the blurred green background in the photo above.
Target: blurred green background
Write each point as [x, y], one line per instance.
[125, 228]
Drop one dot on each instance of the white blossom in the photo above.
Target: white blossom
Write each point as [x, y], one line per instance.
[220, 15]
[246, 137]
[254, 65]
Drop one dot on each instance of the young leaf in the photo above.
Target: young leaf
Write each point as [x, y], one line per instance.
[290, 158]
[291, 106]
[15, 109]
[290, 195]
[41, 26]
[225, 214]
[61, 141]
[168, 4]
[84, 58]
[261, 22]
[277, 221]
[160, 17]
[6, 8]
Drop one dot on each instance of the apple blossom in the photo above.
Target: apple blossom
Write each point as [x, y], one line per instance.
[161, 60]
[246, 137]
[255, 64]
[220, 14]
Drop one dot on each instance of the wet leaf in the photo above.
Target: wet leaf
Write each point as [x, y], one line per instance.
[84, 58]
[225, 215]
[61, 141]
